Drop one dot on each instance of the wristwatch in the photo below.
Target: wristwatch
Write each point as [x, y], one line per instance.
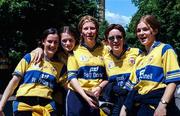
[163, 101]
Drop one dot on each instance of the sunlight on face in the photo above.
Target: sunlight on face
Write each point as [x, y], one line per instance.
[89, 32]
[116, 41]
[51, 44]
[67, 42]
[145, 34]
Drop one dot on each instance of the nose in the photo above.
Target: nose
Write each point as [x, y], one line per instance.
[89, 30]
[115, 39]
[53, 44]
[68, 42]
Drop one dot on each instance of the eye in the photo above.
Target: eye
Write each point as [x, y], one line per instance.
[118, 36]
[85, 28]
[145, 29]
[111, 38]
[49, 41]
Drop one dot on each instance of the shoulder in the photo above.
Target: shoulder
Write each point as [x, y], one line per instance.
[136, 51]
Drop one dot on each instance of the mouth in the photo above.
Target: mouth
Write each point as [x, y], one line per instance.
[143, 39]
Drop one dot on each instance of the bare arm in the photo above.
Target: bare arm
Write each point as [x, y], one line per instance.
[74, 82]
[169, 92]
[97, 90]
[123, 111]
[9, 91]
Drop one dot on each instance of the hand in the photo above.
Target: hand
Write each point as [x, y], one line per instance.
[97, 91]
[38, 55]
[92, 103]
[2, 113]
[161, 110]
[123, 111]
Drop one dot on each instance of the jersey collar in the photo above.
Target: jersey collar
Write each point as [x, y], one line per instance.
[90, 49]
[125, 48]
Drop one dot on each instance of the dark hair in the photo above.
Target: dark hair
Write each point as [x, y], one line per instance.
[71, 31]
[150, 20]
[115, 26]
[45, 34]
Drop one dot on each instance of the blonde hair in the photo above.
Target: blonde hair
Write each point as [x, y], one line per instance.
[87, 18]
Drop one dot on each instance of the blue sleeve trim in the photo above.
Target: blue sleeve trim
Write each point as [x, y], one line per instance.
[165, 48]
[71, 75]
[27, 57]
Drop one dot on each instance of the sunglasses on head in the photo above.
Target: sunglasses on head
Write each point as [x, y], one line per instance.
[112, 38]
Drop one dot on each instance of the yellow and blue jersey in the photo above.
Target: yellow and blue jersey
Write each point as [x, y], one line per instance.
[38, 80]
[155, 70]
[119, 68]
[87, 66]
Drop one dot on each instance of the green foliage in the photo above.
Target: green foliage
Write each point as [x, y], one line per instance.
[102, 29]
[167, 12]
[23, 21]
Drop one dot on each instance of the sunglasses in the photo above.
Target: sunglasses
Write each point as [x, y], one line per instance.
[112, 38]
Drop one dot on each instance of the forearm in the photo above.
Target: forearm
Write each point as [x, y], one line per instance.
[75, 84]
[103, 84]
[9, 90]
[169, 92]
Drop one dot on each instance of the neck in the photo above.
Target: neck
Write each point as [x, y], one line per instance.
[117, 53]
[149, 48]
[90, 44]
[47, 57]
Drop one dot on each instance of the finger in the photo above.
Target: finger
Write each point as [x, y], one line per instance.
[39, 58]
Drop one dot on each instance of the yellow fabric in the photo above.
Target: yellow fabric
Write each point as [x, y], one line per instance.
[37, 110]
[102, 113]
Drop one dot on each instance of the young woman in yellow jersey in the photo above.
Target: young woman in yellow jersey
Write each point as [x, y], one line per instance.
[86, 71]
[119, 63]
[36, 81]
[153, 80]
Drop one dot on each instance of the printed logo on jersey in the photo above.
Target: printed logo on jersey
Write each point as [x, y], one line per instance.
[120, 80]
[111, 64]
[44, 79]
[101, 58]
[150, 59]
[83, 58]
[143, 76]
[132, 60]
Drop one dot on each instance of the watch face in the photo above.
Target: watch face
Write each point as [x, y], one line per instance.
[163, 101]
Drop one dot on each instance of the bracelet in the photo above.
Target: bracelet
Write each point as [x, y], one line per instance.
[100, 87]
[163, 101]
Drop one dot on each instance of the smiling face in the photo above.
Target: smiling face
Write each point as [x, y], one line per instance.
[89, 33]
[67, 42]
[145, 34]
[116, 41]
[51, 44]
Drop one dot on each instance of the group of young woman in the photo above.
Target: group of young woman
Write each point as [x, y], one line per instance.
[137, 82]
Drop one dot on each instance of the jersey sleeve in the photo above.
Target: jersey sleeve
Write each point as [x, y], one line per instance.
[22, 65]
[72, 67]
[170, 64]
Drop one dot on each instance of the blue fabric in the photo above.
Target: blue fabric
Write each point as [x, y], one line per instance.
[77, 106]
[144, 101]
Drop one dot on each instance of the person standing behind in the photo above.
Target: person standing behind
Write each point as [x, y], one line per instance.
[36, 81]
[118, 63]
[68, 41]
[86, 71]
[154, 79]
